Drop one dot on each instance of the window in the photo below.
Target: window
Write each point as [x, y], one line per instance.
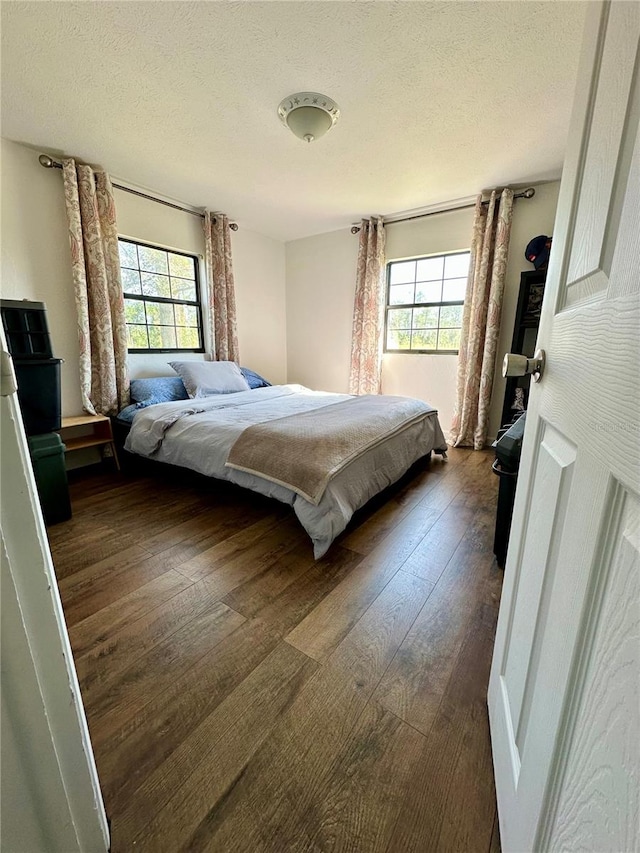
[425, 299]
[161, 299]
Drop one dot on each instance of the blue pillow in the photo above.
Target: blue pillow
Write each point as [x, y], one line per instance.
[158, 389]
[254, 380]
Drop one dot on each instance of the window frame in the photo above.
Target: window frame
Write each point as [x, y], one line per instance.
[413, 305]
[141, 297]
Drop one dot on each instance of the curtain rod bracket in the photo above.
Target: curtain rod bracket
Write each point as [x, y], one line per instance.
[48, 162]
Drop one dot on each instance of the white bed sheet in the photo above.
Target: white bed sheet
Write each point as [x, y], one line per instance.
[202, 443]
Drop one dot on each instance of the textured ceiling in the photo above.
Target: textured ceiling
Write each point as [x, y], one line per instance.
[438, 99]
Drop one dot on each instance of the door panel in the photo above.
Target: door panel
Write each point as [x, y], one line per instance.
[623, 266]
[598, 757]
[550, 494]
[563, 694]
[526, 756]
[592, 374]
[605, 133]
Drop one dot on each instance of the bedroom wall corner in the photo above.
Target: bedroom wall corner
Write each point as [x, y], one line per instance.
[259, 272]
[35, 261]
[320, 275]
[35, 264]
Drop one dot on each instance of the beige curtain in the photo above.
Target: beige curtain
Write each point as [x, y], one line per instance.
[366, 341]
[481, 320]
[102, 332]
[222, 298]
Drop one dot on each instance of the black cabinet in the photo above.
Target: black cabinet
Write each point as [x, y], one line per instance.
[38, 378]
[525, 333]
[26, 330]
[37, 371]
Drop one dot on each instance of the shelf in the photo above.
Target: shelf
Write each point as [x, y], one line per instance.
[84, 431]
[84, 441]
[524, 334]
[83, 420]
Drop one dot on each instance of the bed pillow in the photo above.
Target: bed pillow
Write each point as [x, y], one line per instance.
[157, 389]
[202, 378]
[254, 379]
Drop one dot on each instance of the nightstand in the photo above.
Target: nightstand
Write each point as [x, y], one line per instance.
[84, 431]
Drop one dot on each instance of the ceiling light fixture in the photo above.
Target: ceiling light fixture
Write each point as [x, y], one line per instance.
[308, 115]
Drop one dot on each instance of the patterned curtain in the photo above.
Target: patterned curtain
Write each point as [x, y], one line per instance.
[366, 342]
[222, 297]
[102, 333]
[481, 320]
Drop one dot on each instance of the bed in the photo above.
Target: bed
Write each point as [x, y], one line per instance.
[323, 454]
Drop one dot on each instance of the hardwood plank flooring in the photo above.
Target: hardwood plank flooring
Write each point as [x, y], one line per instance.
[97, 629]
[450, 802]
[365, 787]
[295, 759]
[226, 740]
[243, 697]
[141, 746]
[415, 683]
[326, 626]
[100, 667]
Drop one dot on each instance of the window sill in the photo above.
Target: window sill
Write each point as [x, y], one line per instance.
[160, 351]
[420, 352]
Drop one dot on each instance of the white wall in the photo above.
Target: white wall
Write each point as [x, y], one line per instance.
[320, 286]
[259, 270]
[320, 289]
[35, 258]
[35, 264]
[21, 827]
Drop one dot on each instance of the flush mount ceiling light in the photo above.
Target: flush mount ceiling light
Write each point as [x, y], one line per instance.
[308, 115]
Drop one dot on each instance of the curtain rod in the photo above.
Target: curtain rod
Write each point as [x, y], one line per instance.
[50, 163]
[528, 193]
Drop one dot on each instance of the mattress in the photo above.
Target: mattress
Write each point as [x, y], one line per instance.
[202, 433]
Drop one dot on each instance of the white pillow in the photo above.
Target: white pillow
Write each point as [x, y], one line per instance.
[202, 378]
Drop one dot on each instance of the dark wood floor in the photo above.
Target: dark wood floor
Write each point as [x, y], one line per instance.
[242, 697]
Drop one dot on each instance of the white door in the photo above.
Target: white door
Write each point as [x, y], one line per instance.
[563, 694]
[50, 793]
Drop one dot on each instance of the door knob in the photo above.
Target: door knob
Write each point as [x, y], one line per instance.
[520, 365]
